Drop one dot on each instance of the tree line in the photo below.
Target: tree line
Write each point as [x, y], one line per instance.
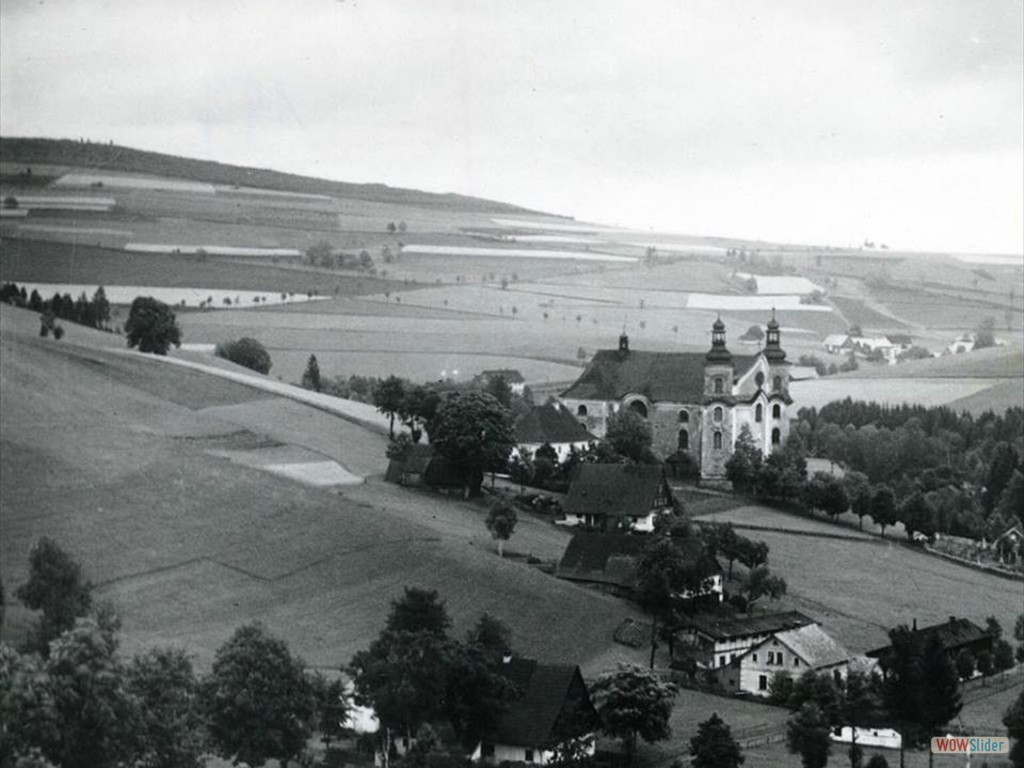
[91, 312]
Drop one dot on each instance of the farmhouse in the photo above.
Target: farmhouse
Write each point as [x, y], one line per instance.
[420, 465]
[694, 403]
[956, 635]
[796, 651]
[617, 496]
[553, 707]
[550, 425]
[610, 560]
[1009, 545]
[717, 641]
[837, 343]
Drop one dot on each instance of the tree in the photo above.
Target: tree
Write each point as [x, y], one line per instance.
[164, 683]
[389, 396]
[473, 431]
[490, 635]
[1013, 719]
[501, 522]
[331, 707]
[743, 466]
[984, 334]
[825, 492]
[985, 664]
[311, 376]
[521, 468]
[247, 352]
[633, 703]
[419, 610]
[98, 717]
[862, 505]
[629, 435]
[941, 701]
[258, 700]
[1002, 655]
[807, 735]
[26, 705]
[780, 687]
[100, 308]
[318, 252]
[965, 664]
[499, 388]
[877, 761]
[917, 515]
[761, 582]
[714, 746]
[151, 326]
[56, 587]
[883, 507]
[1018, 635]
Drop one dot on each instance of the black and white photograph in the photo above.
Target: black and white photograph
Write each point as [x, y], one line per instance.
[493, 383]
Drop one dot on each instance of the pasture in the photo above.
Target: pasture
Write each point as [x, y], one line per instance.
[189, 545]
[814, 393]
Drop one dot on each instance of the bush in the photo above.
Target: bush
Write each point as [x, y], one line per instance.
[246, 352]
[58, 332]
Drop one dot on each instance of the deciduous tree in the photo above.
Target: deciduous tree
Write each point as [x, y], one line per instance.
[247, 352]
[389, 396]
[807, 735]
[501, 522]
[714, 746]
[171, 729]
[633, 703]
[151, 326]
[474, 432]
[57, 588]
[629, 435]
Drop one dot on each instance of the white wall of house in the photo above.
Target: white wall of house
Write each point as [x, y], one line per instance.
[514, 754]
[887, 738]
[561, 449]
[754, 671]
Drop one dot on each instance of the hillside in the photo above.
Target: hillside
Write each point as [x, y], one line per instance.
[111, 157]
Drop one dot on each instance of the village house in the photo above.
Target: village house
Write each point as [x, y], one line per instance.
[796, 651]
[956, 635]
[609, 560]
[550, 425]
[611, 497]
[1009, 545]
[695, 403]
[838, 343]
[421, 465]
[716, 641]
[553, 708]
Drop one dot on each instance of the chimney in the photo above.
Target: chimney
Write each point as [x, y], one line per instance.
[624, 343]
[915, 625]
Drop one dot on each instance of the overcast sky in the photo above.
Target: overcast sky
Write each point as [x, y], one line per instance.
[798, 120]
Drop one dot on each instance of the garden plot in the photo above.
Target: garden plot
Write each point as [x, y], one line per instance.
[177, 297]
[513, 253]
[55, 203]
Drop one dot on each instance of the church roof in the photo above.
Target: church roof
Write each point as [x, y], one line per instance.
[550, 424]
[671, 377]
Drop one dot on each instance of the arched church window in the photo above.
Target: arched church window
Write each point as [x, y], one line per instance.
[718, 414]
[719, 385]
[684, 417]
[581, 411]
[759, 378]
[638, 407]
[776, 411]
[684, 440]
[759, 413]
[716, 441]
[777, 384]
[776, 436]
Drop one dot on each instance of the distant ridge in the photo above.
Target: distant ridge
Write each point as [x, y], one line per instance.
[112, 157]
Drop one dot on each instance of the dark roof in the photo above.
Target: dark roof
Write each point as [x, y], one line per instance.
[734, 627]
[546, 691]
[441, 473]
[614, 489]
[669, 377]
[900, 338]
[550, 424]
[414, 461]
[611, 558]
[954, 634]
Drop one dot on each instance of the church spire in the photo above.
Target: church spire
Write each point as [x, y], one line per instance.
[773, 351]
[718, 353]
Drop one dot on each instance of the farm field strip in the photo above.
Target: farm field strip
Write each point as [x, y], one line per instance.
[789, 303]
[689, 248]
[553, 226]
[516, 253]
[212, 250]
[133, 182]
[125, 294]
[773, 284]
[73, 230]
[815, 393]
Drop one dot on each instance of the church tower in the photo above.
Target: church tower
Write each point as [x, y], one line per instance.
[717, 412]
[777, 385]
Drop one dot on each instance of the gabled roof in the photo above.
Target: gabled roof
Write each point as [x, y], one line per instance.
[414, 462]
[665, 377]
[812, 644]
[900, 338]
[611, 558]
[736, 627]
[836, 340]
[954, 634]
[510, 375]
[546, 691]
[550, 424]
[614, 489]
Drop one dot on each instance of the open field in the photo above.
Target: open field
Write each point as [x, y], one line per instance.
[815, 393]
[189, 546]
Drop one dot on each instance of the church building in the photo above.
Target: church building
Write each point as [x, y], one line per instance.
[694, 402]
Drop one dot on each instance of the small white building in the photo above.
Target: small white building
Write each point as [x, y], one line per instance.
[885, 738]
[717, 641]
[550, 425]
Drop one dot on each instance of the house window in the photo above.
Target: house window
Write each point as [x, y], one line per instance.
[732, 657]
[529, 755]
[721, 661]
[776, 436]
[796, 662]
[754, 656]
[717, 441]
[759, 413]
[718, 415]
[684, 440]
[762, 682]
[684, 417]
[837, 677]
[776, 411]
[777, 383]
[638, 407]
[581, 411]
[719, 385]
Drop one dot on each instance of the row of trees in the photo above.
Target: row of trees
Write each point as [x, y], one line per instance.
[91, 312]
[69, 698]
